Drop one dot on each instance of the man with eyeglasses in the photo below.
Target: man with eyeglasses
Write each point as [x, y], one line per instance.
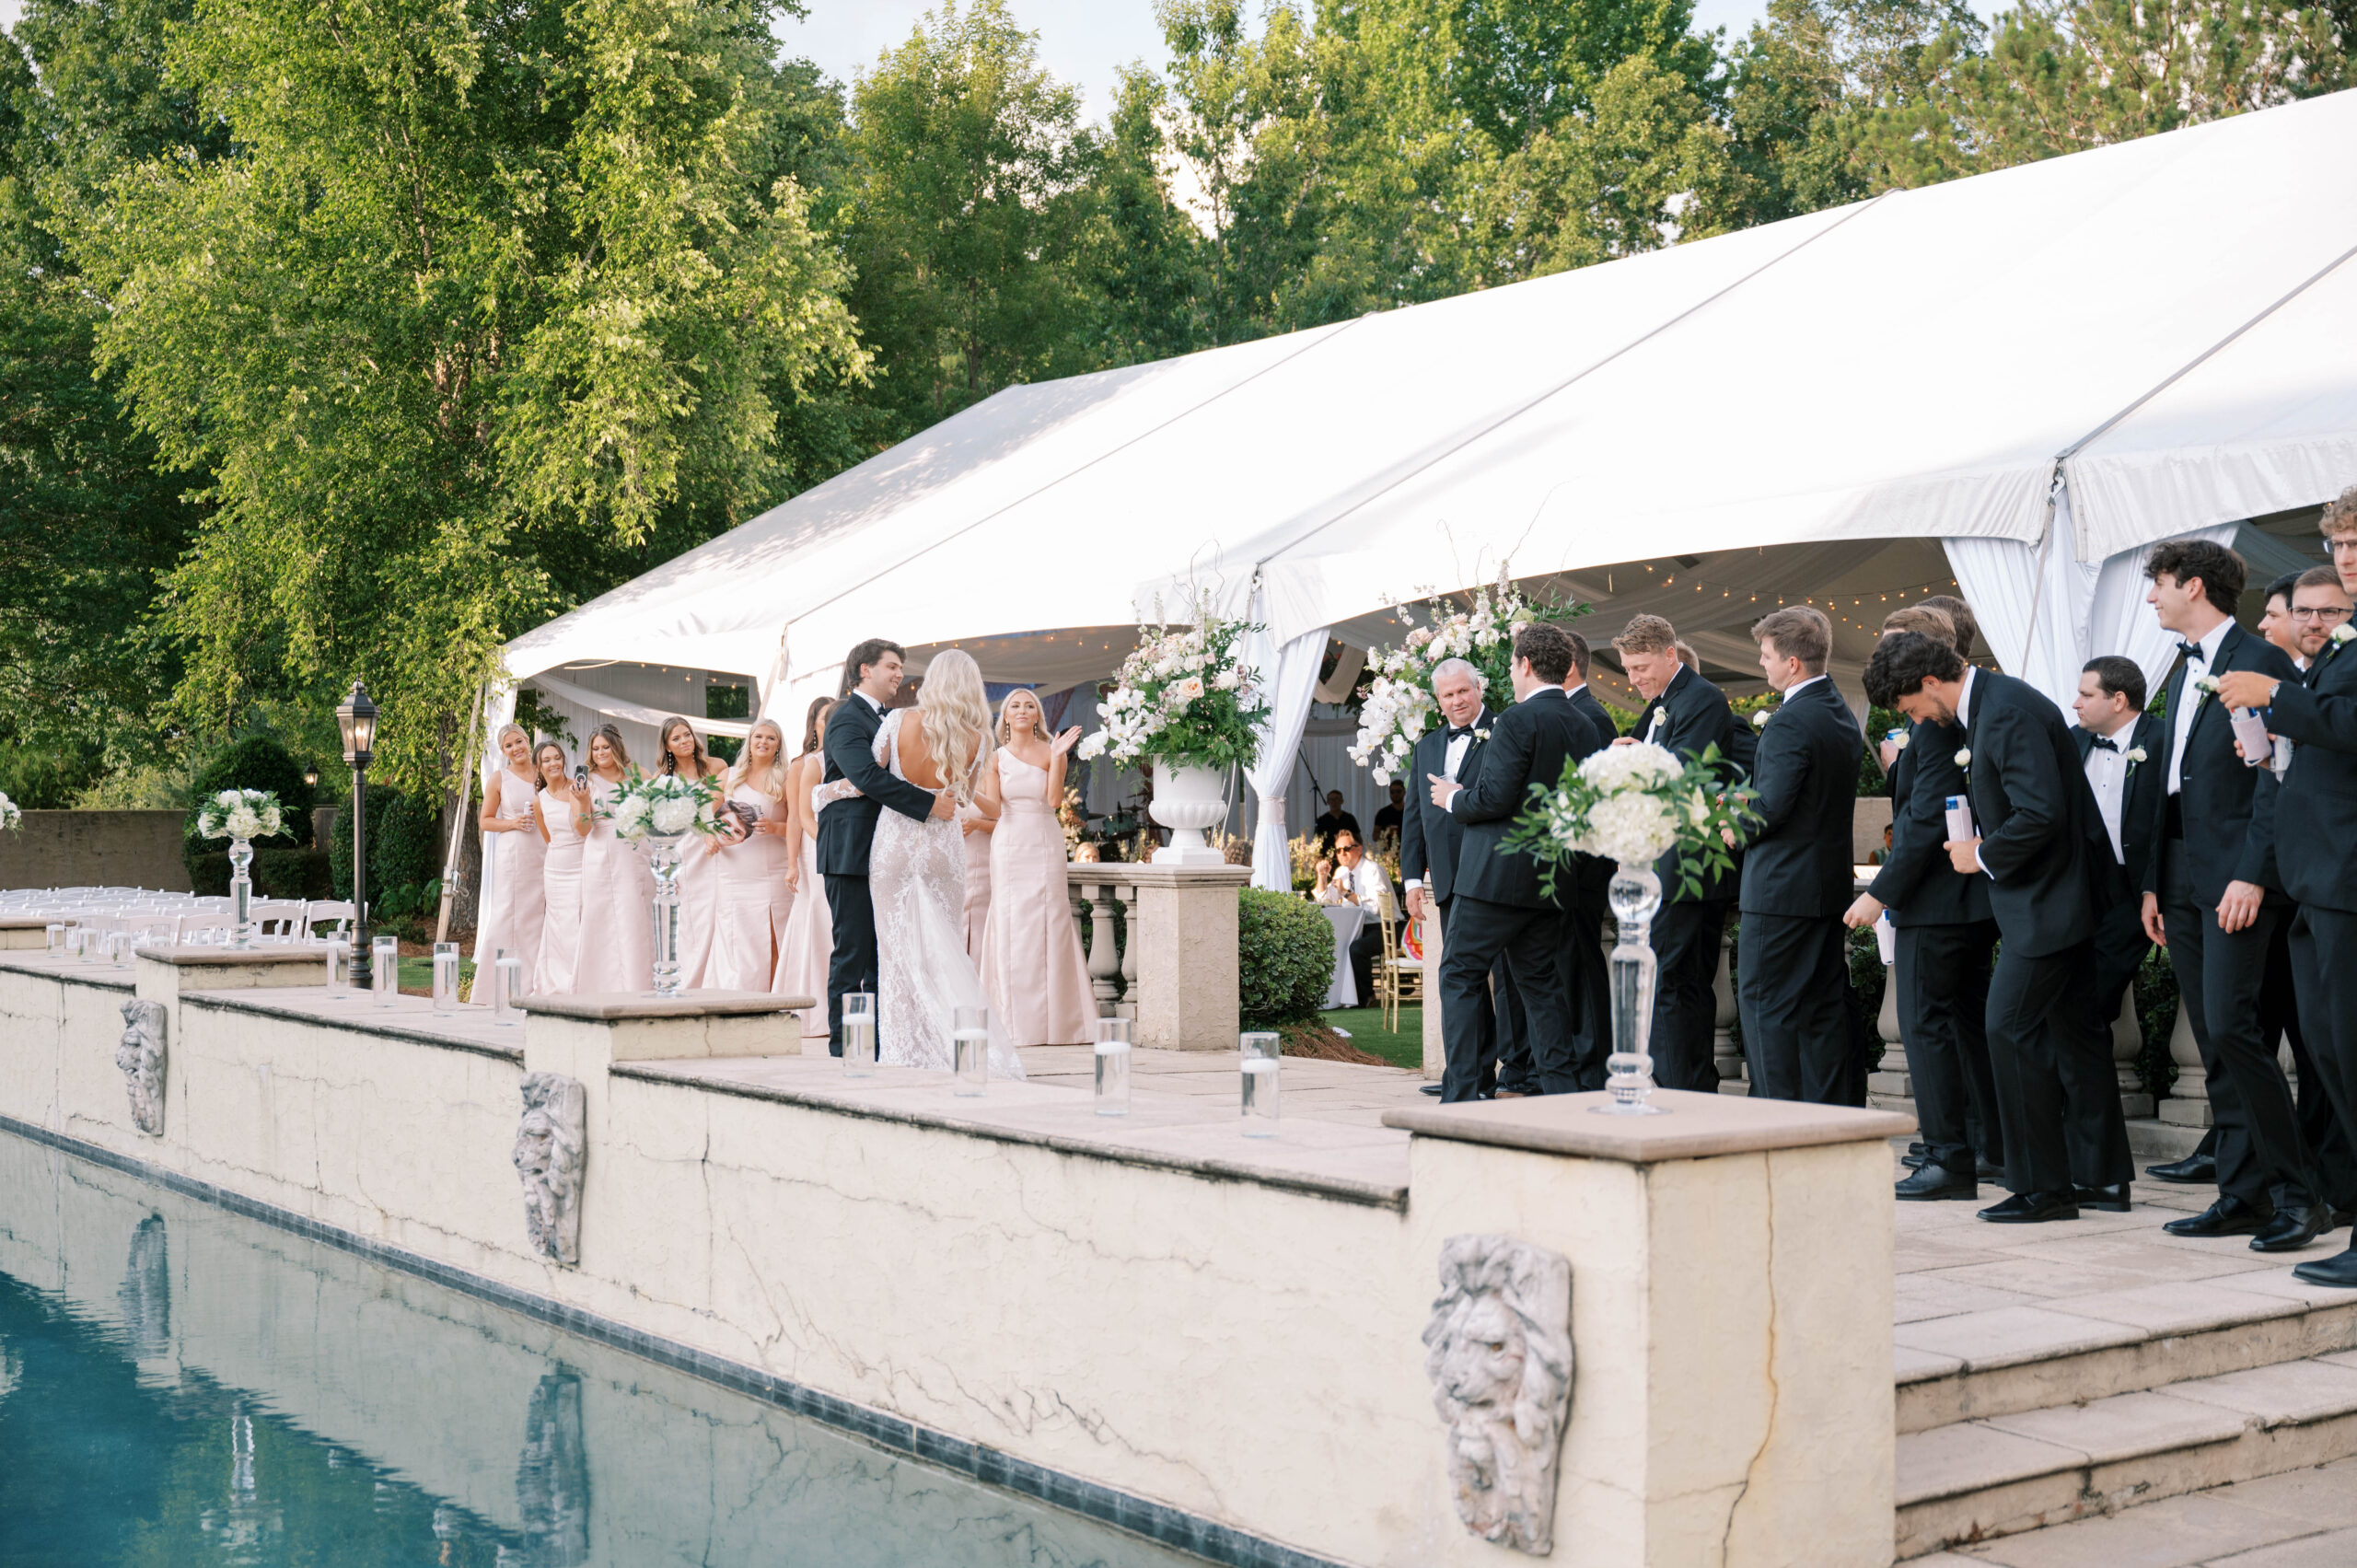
[2316, 823]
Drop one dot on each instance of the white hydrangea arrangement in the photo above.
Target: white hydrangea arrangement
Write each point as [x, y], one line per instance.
[1633, 805]
[1399, 707]
[1185, 698]
[240, 814]
[663, 807]
[11, 818]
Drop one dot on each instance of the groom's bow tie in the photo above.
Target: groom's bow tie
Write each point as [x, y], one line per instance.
[2105, 743]
[2193, 651]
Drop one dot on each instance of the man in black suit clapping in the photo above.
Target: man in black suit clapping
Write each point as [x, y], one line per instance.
[2213, 896]
[2036, 832]
[1497, 908]
[1686, 714]
[1796, 871]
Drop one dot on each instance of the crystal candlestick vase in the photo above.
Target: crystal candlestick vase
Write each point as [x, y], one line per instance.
[663, 855]
[1636, 896]
[241, 893]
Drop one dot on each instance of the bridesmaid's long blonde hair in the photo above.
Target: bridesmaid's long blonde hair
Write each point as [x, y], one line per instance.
[742, 772]
[956, 719]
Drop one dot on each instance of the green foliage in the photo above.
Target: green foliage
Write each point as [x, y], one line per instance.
[46, 777]
[404, 852]
[256, 761]
[2156, 1005]
[1284, 958]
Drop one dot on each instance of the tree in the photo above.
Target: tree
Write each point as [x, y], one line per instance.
[486, 295]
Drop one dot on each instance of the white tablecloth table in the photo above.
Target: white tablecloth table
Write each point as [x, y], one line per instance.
[1347, 921]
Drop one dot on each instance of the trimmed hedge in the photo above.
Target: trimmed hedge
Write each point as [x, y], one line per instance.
[1284, 958]
[404, 848]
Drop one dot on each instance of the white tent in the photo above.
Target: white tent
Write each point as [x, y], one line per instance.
[2015, 383]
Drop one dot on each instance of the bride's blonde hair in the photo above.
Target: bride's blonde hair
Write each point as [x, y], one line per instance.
[956, 717]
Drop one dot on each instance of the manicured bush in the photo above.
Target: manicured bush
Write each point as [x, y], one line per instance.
[1284, 958]
[404, 845]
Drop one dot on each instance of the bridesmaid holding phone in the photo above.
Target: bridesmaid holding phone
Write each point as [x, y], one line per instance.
[512, 913]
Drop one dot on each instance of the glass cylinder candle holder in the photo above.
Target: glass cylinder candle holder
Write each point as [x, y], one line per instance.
[1259, 1051]
[385, 969]
[56, 932]
[73, 939]
[859, 1035]
[506, 985]
[446, 978]
[970, 1045]
[119, 945]
[1112, 1066]
[339, 963]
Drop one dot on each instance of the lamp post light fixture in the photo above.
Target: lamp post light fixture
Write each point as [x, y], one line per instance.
[357, 719]
[311, 777]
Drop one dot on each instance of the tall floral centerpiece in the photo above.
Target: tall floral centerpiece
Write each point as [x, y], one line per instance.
[661, 813]
[11, 818]
[240, 816]
[1187, 702]
[1632, 804]
[1398, 708]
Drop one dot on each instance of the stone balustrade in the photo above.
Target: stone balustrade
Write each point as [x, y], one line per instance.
[1177, 969]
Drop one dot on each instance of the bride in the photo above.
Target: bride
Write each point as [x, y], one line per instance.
[916, 871]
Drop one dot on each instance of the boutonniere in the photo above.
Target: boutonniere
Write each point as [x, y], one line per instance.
[1760, 719]
[1964, 757]
[1902, 740]
[2133, 755]
[2204, 686]
[2342, 636]
[1482, 735]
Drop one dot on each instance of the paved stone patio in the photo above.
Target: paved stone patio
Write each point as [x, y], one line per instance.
[2304, 1519]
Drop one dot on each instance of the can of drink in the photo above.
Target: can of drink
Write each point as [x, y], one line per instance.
[2250, 732]
[1960, 819]
[1887, 938]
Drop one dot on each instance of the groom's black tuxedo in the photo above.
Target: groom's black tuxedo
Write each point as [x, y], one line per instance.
[846, 829]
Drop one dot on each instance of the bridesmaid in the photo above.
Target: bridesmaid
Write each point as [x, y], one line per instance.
[616, 890]
[684, 754]
[753, 902]
[551, 972]
[511, 917]
[1032, 967]
[809, 940]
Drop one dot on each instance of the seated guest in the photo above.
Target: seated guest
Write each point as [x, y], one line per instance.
[1387, 819]
[1330, 891]
[1333, 821]
[1365, 883]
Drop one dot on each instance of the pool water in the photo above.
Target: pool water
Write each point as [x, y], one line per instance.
[182, 1386]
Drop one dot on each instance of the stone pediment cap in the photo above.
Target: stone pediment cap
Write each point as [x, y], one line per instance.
[191, 956]
[607, 1006]
[1696, 1126]
[1145, 873]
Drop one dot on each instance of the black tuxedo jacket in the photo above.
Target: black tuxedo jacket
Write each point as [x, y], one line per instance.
[1694, 715]
[2037, 819]
[2316, 811]
[1528, 744]
[1428, 837]
[1585, 704]
[1918, 881]
[2142, 797]
[2228, 809]
[1798, 857]
[847, 827]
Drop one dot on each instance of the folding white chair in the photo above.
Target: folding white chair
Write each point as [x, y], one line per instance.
[278, 919]
[337, 915]
[186, 926]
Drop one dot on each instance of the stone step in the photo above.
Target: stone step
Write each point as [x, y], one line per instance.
[1973, 1480]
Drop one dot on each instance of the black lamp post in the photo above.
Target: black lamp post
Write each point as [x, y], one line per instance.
[357, 719]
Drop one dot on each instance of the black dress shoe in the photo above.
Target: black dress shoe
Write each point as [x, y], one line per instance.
[1911, 1160]
[2193, 1171]
[2111, 1199]
[2032, 1208]
[2228, 1216]
[1428, 1088]
[1933, 1183]
[2294, 1227]
[2341, 1270]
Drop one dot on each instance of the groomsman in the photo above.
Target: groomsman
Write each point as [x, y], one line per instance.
[2213, 898]
[1591, 979]
[2119, 746]
[2316, 818]
[1430, 837]
[1945, 938]
[2036, 832]
[1686, 714]
[1499, 910]
[1797, 872]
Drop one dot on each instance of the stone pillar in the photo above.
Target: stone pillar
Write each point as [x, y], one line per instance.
[2189, 1101]
[20, 931]
[163, 974]
[1183, 937]
[1731, 1302]
[2127, 1045]
[1725, 1054]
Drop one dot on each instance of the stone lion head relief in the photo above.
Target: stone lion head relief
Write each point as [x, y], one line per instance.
[141, 1057]
[551, 1149]
[1498, 1351]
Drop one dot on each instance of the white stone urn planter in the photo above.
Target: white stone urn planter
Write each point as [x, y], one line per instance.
[1188, 801]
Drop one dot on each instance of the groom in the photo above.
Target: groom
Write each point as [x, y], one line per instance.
[847, 827]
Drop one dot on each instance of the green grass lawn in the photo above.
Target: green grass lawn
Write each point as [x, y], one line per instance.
[1364, 1026]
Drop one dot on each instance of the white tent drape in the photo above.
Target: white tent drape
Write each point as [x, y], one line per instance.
[1288, 676]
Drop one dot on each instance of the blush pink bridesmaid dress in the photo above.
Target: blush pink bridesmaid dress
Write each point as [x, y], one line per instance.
[809, 940]
[1032, 967]
[552, 973]
[617, 907]
[753, 904]
[512, 913]
[977, 883]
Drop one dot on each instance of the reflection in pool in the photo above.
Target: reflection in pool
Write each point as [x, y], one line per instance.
[180, 1386]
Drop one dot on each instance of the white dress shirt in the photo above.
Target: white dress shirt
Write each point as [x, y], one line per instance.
[1452, 759]
[1797, 687]
[2108, 777]
[2188, 701]
[1366, 882]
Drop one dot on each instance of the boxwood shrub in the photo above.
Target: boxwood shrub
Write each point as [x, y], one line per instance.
[1284, 958]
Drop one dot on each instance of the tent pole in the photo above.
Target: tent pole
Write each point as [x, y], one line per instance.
[458, 819]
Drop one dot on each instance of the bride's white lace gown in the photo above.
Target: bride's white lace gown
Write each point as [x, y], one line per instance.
[916, 876]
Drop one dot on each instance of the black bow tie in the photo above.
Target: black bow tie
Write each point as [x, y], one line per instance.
[2105, 743]
[1457, 730]
[2193, 650]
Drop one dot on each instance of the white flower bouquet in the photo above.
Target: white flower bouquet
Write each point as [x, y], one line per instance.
[665, 808]
[11, 818]
[240, 814]
[1633, 804]
[1185, 699]
[1398, 708]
